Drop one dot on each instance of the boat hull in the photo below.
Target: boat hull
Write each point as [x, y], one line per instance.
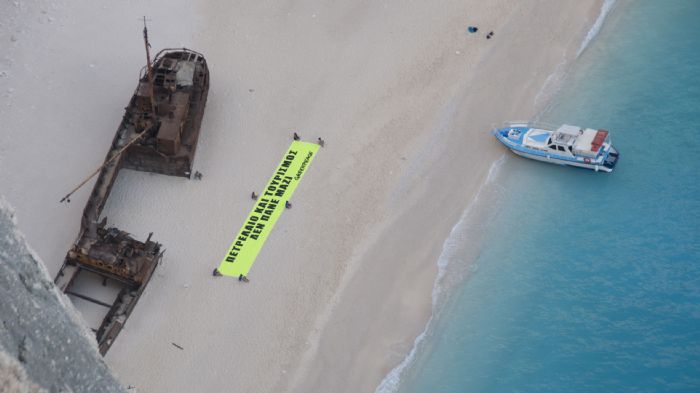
[553, 160]
[513, 136]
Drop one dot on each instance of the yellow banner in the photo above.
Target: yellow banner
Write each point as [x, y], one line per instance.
[267, 209]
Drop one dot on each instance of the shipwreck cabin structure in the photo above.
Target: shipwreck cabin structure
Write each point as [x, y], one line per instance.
[106, 269]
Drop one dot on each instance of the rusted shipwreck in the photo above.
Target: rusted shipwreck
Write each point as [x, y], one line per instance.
[158, 133]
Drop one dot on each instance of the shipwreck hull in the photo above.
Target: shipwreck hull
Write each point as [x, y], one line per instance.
[123, 265]
[106, 267]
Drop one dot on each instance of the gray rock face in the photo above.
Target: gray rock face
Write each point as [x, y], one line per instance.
[40, 328]
[13, 379]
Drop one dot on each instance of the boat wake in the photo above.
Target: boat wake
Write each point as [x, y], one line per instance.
[595, 29]
[555, 80]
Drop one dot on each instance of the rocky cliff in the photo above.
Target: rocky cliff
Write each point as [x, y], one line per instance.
[44, 346]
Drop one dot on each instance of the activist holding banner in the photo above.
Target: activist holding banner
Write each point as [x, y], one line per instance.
[268, 208]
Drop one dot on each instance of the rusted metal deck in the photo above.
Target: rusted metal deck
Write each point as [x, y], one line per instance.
[158, 133]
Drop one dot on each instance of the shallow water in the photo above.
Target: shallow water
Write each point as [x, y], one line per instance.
[591, 281]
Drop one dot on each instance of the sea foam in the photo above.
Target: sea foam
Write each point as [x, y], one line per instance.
[589, 281]
[450, 251]
[392, 381]
[597, 25]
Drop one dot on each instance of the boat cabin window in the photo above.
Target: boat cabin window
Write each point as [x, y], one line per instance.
[557, 147]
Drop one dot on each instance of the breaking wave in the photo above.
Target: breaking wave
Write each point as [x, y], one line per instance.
[595, 29]
[450, 250]
[392, 381]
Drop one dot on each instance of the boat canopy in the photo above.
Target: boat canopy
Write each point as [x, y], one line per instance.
[567, 129]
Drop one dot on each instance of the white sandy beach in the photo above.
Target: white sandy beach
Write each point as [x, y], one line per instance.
[401, 93]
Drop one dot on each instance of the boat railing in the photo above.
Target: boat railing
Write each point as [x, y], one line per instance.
[526, 124]
[165, 51]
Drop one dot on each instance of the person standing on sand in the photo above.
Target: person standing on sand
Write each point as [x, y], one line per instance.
[217, 273]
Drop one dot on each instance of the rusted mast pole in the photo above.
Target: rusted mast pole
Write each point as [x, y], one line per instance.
[149, 69]
[136, 138]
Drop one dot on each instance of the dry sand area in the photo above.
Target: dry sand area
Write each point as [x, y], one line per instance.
[403, 96]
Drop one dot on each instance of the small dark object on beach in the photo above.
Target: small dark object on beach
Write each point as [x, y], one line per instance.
[178, 346]
[198, 175]
[472, 29]
[216, 273]
[321, 142]
[287, 205]
[296, 136]
[253, 196]
[489, 35]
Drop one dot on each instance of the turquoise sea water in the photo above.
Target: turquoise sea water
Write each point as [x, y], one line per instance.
[590, 282]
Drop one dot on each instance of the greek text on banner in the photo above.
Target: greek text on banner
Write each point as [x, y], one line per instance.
[267, 209]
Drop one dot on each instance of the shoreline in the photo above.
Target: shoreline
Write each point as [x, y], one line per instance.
[455, 246]
[390, 380]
